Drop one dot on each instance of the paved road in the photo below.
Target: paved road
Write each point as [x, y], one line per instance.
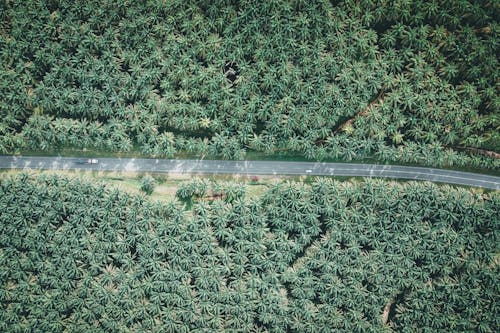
[252, 168]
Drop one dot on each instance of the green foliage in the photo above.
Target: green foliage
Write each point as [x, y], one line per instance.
[104, 76]
[148, 184]
[329, 256]
[200, 188]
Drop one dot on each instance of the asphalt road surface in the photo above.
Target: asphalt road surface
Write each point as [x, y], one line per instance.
[252, 168]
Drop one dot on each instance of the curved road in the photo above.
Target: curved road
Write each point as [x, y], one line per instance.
[252, 168]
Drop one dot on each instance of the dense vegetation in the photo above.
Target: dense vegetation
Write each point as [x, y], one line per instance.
[409, 81]
[329, 256]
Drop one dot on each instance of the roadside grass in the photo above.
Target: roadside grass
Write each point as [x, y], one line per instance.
[311, 179]
[166, 184]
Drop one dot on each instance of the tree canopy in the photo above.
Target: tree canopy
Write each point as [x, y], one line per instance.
[330, 256]
[409, 81]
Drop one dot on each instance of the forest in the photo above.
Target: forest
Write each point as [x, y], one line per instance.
[328, 256]
[412, 82]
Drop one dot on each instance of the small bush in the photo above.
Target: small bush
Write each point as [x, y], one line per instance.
[148, 184]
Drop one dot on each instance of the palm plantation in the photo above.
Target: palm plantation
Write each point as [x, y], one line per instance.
[410, 82]
[329, 256]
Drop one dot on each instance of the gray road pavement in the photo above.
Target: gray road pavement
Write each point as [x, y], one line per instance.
[252, 168]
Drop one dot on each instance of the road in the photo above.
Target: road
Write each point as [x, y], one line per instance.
[252, 168]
